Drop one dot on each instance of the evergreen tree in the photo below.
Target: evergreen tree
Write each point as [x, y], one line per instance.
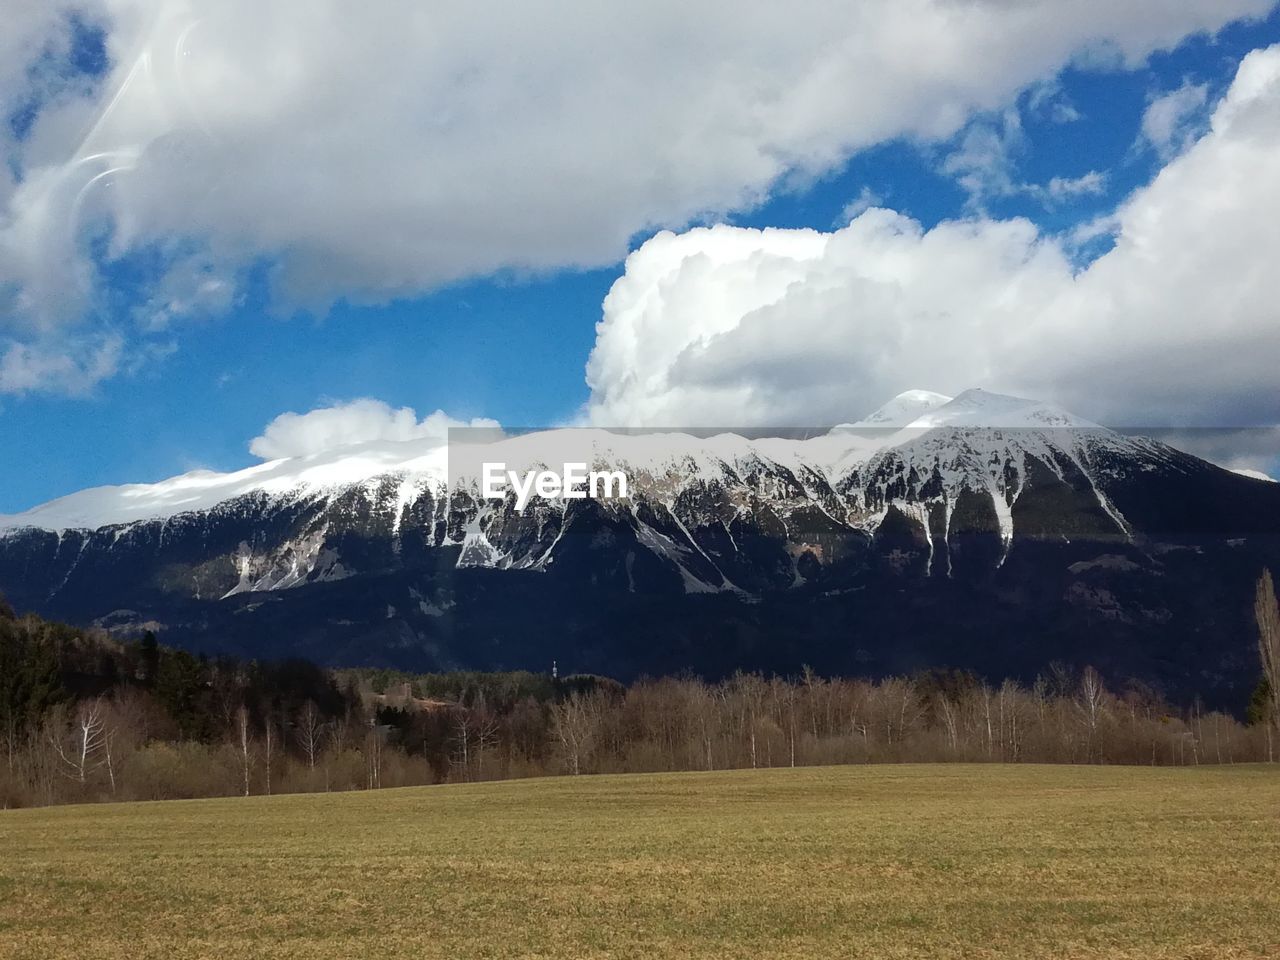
[179, 686]
[30, 681]
[1259, 709]
[149, 650]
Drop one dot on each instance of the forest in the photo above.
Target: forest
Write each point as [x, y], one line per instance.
[85, 717]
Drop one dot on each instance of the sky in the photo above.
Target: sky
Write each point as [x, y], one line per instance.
[234, 234]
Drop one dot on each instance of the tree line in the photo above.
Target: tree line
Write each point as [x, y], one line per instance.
[87, 718]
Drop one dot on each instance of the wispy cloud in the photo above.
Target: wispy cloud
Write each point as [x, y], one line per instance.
[985, 164]
[1173, 120]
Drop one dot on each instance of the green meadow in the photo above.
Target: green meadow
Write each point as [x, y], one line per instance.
[878, 861]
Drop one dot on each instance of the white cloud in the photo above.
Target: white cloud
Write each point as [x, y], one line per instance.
[866, 199]
[346, 424]
[189, 286]
[1048, 100]
[1092, 183]
[984, 164]
[1169, 123]
[985, 160]
[34, 43]
[373, 152]
[1065, 113]
[69, 367]
[1175, 324]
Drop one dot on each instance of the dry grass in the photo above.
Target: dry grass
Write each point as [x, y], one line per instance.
[938, 861]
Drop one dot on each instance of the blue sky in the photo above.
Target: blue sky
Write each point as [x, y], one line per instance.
[513, 346]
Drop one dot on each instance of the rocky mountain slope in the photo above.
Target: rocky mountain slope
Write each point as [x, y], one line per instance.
[981, 531]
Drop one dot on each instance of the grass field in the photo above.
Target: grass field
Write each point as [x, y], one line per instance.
[939, 861]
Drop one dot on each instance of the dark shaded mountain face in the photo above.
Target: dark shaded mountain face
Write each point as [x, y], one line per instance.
[948, 545]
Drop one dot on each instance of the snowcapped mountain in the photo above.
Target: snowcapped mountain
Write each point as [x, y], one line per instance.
[422, 466]
[1013, 510]
[927, 455]
[906, 407]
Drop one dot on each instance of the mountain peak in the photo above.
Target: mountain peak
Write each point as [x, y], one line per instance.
[981, 408]
[901, 410]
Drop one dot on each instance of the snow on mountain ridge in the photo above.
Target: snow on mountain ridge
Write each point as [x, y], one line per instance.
[199, 490]
[661, 460]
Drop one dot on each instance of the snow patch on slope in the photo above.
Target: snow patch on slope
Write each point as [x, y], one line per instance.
[1254, 474]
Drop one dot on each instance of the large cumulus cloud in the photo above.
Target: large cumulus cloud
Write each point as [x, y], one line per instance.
[350, 423]
[375, 151]
[1179, 323]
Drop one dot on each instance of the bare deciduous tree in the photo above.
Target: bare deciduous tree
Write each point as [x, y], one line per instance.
[947, 713]
[373, 754]
[1090, 703]
[576, 721]
[244, 734]
[1267, 612]
[474, 732]
[703, 709]
[268, 740]
[81, 752]
[749, 693]
[462, 724]
[486, 738]
[308, 730]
